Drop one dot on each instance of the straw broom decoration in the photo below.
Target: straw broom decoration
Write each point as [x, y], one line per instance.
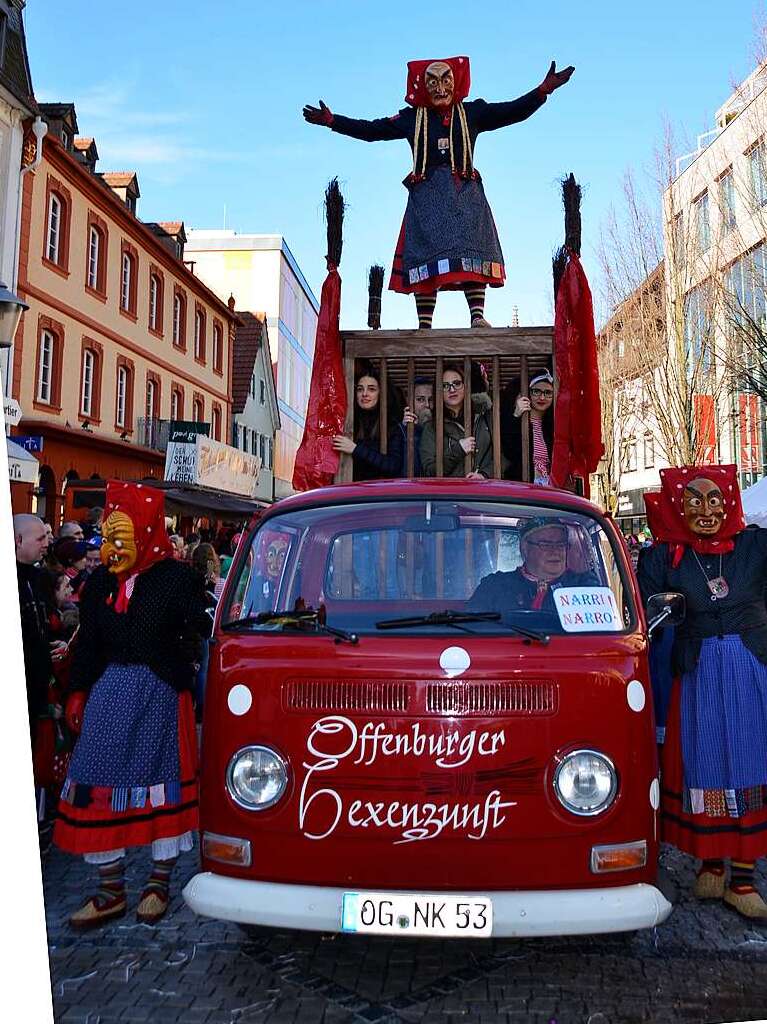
[334, 217]
[375, 287]
[571, 198]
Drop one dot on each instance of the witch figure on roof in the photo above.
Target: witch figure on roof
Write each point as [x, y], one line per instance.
[448, 238]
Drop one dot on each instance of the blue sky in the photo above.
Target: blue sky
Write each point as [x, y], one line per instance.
[204, 101]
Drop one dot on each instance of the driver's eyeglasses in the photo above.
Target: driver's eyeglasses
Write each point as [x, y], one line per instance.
[548, 545]
[537, 393]
[452, 385]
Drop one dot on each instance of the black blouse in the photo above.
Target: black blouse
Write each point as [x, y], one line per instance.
[742, 612]
[168, 605]
[480, 117]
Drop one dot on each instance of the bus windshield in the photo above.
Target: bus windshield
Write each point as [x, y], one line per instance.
[415, 566]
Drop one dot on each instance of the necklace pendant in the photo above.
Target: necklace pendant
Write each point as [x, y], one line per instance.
[718, 587]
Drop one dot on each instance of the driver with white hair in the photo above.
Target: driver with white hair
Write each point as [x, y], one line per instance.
[543, 545]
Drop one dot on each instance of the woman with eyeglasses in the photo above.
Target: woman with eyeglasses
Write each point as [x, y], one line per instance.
[369, 462]
[538, 404]
[460, 438]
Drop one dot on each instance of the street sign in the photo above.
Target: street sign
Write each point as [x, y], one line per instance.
[11, 411]
[30, 442]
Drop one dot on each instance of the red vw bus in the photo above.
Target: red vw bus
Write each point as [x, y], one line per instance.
[428, 713]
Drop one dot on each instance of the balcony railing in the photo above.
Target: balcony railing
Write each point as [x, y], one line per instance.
[152, 432]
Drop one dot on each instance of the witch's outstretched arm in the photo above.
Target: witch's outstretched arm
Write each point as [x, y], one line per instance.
[489, 116]
[379, 130]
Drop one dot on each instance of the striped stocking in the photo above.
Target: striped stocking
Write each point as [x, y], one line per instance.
[111, 881]
[424, 304]
[742, 876]
[475, 296]
[159, 880]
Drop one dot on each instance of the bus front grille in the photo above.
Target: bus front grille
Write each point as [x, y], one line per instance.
[502, 697]
[346, 695]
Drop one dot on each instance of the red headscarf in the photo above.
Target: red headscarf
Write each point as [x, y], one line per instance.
[145, 507]
[665, 511]
[416, 94]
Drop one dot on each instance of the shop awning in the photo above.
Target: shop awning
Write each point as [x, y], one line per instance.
[22, 465]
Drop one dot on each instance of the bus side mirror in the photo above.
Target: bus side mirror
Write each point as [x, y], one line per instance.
[667, 609]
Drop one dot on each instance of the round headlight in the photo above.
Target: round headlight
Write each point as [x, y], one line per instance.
[586, 782]
[256, 778]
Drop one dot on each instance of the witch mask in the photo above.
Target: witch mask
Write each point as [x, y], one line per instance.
[703, 506]
[118, 550]
[440, 83]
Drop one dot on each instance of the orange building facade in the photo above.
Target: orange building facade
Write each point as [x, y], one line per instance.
[120, 336]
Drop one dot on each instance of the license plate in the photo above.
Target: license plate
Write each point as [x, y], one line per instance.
[417, 914]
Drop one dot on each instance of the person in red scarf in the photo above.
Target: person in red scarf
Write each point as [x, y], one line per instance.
[714, 758]
[132, 778]
[448, 238]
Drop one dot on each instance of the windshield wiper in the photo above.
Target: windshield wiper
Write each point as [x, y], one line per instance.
[314, 616]
[445, 618]
[453, 618]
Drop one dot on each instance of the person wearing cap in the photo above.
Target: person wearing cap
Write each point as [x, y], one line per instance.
[544, 547]
[92, 525]
[72, 555]
[538, 405]
[93, 554]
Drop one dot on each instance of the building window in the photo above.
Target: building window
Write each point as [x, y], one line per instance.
[702, 222]
[94, 245]
[254, 443]
[271, 453]
[88, 373]
[630, 455]
[262, 449]
[727, 201]
[245, 435]
[263, 391]
[198, 411]
[179, 318]
[216, 424]
[218, 352]
[677, 232]
[253, 386]
[122, 395]
[125, 281]
[52, 247]
[757, 159]
[58, 206]
[177, 404]
[151, 409]
[199, 336]
[649, 451]
[45, 368]
[155, 300]
[96, 256]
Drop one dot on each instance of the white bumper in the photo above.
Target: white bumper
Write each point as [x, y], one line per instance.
[518, 914]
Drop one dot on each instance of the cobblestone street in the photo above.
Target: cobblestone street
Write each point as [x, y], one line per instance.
[704, 964]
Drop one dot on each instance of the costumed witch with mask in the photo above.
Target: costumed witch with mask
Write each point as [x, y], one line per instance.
[448, 238]
[132, 778]
[715, 754]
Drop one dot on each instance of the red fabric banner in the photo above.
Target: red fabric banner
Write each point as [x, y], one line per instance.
[577, 446]
[316, 460]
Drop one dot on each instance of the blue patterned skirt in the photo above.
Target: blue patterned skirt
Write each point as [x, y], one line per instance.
[724, 718]
[133, 773]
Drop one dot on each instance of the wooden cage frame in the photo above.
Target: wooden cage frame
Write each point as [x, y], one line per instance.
[506, 352]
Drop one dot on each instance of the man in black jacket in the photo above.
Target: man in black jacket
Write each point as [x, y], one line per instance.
[31, 544]
[543, 546]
